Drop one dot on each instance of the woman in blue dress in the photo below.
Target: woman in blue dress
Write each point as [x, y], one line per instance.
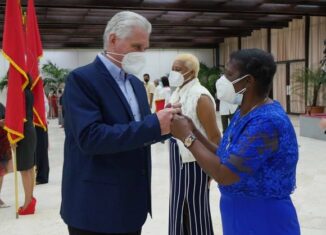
[255, 164]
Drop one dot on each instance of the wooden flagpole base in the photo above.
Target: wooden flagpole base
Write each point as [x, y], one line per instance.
[13, 148]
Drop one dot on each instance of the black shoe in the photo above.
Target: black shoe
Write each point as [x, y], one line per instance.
[41, 182]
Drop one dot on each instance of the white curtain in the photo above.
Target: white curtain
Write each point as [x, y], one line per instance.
[258, 39]
[297, 101]
[226, 48]
[316, 48]
[279, 85]
[289, 43]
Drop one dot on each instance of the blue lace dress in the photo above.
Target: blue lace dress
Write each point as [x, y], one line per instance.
[261, 148]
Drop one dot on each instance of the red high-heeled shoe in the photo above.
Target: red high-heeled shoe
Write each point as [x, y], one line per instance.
[30, 209]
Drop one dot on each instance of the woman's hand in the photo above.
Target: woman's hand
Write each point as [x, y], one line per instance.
[181, 127]
[191, 124]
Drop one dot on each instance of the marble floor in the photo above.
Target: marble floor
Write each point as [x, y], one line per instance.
[309, 197]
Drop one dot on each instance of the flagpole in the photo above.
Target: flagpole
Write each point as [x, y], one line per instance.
[13, 148]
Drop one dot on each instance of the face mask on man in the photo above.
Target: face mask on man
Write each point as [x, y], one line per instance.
[176, 79]
[225, 90]
[132, 63]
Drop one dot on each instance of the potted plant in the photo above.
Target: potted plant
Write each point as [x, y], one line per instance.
[53, 76]
[3, 83]
[313, 80]
[208, 77]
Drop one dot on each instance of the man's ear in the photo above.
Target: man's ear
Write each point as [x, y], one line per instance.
[112, 39]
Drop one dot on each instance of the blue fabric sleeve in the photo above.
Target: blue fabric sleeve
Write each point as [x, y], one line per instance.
[258, 142]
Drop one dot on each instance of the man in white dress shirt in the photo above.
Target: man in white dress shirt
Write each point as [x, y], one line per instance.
[226, 111]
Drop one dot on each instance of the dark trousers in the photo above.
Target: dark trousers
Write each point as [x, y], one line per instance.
[76, 231]
[42, 158]
[226, 119]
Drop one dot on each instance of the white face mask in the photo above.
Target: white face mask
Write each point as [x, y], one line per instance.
[225, 90]
[176, 79]
[132, 63]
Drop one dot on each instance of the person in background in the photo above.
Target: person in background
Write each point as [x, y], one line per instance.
[5, 153]
[53, 104]
[26, 158]
[165, 92]
[162, 94]
[150, 88]
[41, 153]
[48, 98]
[109, 128]
[226, 111]
[189, 187]
[157, 83]
[156, 96]
[255, 163]
[60, 111]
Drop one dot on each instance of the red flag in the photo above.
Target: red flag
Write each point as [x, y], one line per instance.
[34, 52]
[13, 49]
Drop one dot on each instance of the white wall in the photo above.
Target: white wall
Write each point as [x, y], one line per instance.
[3, 70]
[158, 61]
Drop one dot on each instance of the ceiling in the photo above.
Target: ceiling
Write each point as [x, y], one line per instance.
[176, 23]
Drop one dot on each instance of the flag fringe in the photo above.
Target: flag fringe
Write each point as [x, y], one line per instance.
[16, 66]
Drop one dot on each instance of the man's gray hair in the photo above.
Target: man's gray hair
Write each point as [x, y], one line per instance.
[122, 23]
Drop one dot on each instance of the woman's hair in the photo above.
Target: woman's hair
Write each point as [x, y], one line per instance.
[122, 24]
[165, 81]
[257, 63]
[190, 61]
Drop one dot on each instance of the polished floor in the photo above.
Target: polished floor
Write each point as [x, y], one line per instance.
[309, 197]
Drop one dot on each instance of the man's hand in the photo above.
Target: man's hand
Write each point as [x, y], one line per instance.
[175, 106]
[165, 116]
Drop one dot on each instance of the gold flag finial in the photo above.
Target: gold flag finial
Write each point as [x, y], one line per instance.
[24, 18]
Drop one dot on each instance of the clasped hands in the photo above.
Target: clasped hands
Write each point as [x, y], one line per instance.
[173, 122]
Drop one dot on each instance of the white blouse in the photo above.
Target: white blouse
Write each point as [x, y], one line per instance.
[188, 96]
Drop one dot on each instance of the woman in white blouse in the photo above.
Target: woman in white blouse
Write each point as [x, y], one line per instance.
[189, 188]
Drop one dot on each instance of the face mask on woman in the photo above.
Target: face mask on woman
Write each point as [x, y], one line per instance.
[225, 90]
[176, 79]
[132, 63]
